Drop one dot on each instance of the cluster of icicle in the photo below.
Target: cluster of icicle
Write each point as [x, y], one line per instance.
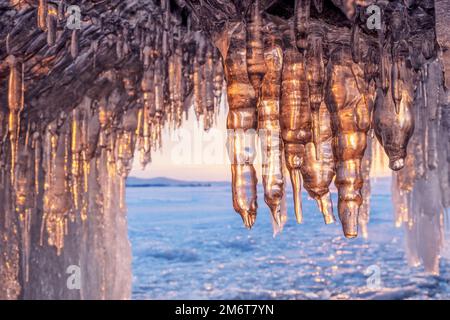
[319, 108]
[313, 108]
[421, 191]
[179, 68]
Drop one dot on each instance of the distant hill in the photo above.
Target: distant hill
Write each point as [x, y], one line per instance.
[379, 185]
[167, 182]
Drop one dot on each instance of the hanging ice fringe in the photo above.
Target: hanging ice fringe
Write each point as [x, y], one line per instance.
[330, 96]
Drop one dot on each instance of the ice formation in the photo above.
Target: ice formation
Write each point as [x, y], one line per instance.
[325, 93]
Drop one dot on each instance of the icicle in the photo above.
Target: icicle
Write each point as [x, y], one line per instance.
[159, 109]
[37, 160]
[384, 64]
[172, 89]
[255, 48]
[125, 151]
[76, 148]
[74, 44]
[269, 125]
[165, 6]
[178, 96]
[85, 165]
[301, 18]
[209, 89]
[350, 115]
[52, 20]
[24, 200]
[147, 85]
[241, 124]
[364, 210]
[15, 104]
[56, 198]
[356, 47]
[295, 116]
[316, 81]
[396, 85]
[318, 172]
[198, 101]
[393, 124]
[218, 79]
[42, 14]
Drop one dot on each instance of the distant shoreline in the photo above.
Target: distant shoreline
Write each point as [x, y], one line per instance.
[159, 185]
[162, 182]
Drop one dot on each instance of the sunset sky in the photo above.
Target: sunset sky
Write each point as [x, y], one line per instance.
[190, 153]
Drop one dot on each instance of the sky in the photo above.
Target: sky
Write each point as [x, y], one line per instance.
[190, 153]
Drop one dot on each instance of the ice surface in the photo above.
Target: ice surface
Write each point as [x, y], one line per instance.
[187, 244]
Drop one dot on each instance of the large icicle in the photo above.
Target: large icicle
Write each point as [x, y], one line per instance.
[295, 116]
[364, 210]
[241, 125]
[255, 49]
[316, 81]
[15, 104]
[318, 172]
[302, 13]
[351, 122]
[394, 128]
[269, 125]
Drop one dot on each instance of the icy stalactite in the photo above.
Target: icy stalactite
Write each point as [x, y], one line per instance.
[24, 202]
[318, 171]
[302, 16]
[178, 84]
[394, 122]
[76, 149]
[241, 125]
[364, 209]
[393, 115]
[208, 78]
[197, 79]
[295, 115]
[217, 80]
[159, 105]
[125, 151]
[15, 104]
[42, 12]
[351, 121]
[255, 49]
[52, 20]
[418, 196]
[269, 125]
[315, 67]
[147, 114]
[57, 197]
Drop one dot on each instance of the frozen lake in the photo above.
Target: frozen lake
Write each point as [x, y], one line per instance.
[188, 243]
